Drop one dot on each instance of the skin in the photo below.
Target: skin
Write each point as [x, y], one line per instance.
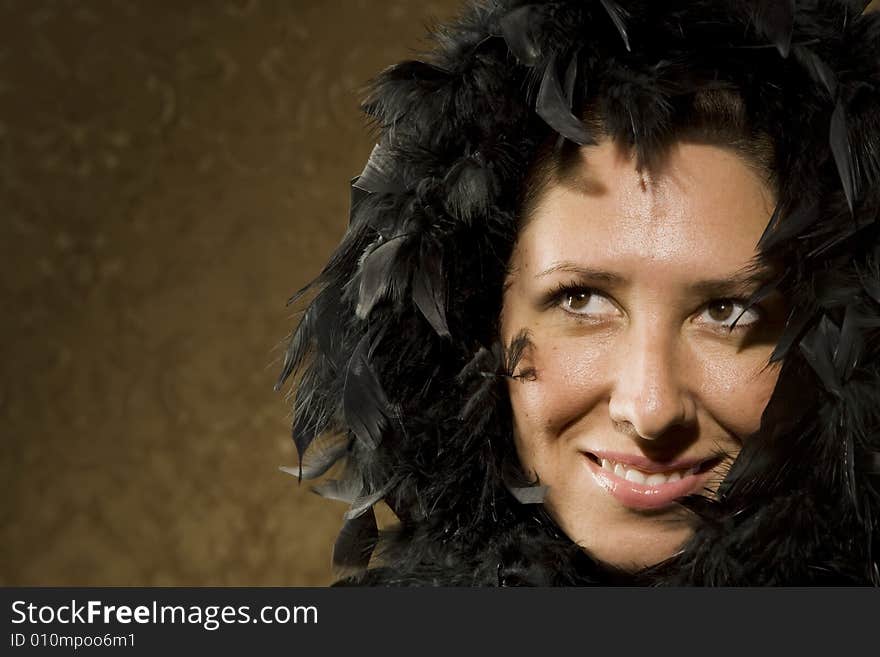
[643, 364]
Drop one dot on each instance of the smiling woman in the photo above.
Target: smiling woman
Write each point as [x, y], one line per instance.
[647, 373]
[607, 310]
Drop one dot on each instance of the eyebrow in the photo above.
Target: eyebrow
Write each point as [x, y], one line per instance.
[569, 267]
[739, 282]
[743, 282]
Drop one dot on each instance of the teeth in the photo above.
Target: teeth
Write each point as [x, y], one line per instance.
[635, 475]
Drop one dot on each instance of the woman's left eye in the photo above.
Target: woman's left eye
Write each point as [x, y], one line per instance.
[724, 312]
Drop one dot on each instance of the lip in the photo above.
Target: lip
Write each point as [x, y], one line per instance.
[644, 496]
[645, 464]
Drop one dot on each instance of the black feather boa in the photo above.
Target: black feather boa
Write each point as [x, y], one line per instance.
[397, 369]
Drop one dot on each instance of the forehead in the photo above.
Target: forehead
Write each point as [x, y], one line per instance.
[701, 208]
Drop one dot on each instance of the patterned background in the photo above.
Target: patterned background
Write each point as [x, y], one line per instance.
[169, 173]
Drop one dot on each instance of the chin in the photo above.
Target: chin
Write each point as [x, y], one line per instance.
[634, 545]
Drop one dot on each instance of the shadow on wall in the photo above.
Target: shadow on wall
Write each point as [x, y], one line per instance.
[170, 174]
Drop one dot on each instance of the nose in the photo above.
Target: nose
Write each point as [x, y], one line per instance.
[649, 393]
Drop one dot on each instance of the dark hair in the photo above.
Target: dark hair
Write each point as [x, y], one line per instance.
[710, 116]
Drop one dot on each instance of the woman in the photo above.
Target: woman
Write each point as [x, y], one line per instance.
[608, 306]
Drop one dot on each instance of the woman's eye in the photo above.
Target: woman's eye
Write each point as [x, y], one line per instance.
[724, 312]
[587, 302]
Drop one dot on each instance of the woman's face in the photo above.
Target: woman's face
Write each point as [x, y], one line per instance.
[627, 285]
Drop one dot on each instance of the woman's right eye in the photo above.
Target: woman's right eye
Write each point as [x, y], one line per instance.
[586, 302]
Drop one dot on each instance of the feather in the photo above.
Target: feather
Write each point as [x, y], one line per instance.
[420, 71]
[757, 297]
[638, 108]
[310, 415]
[850, 346]
[618, 16]
[818, 346]
[832, 289]
[296, 472]
[320, 457]
[429, 288]
[835, 238]
[850, 460]
[479, 378]
[843, 155]
[781, 227]
[405, 96]
[771, 228]
[792, 333]
[529, 494]
[356, 541]
[486, 363]
[775, 20]
[342, 490]
[303, 433]
[479, 404]
[357, 195]
[379, 175]
[329, 335]
[296, 296]
[469, 188]
[871, 284]
[514, 355]
[571, 72]
[298, 345]
[367, 411]
[555, 109]
[376, 279]
[516, 27]
[817, 68]
[363, 503]
[858, 6]
[569, 88]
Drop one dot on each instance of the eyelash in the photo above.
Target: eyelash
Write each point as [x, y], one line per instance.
[556, 296]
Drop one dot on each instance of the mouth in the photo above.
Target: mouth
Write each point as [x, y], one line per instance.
[647, 484]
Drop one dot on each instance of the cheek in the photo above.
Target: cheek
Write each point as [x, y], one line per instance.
[736, 389]
[570, 381]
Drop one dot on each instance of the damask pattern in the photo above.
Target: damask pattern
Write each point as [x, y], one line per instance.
[169, 173]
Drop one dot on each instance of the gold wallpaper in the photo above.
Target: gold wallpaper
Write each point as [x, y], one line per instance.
[170, 172]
